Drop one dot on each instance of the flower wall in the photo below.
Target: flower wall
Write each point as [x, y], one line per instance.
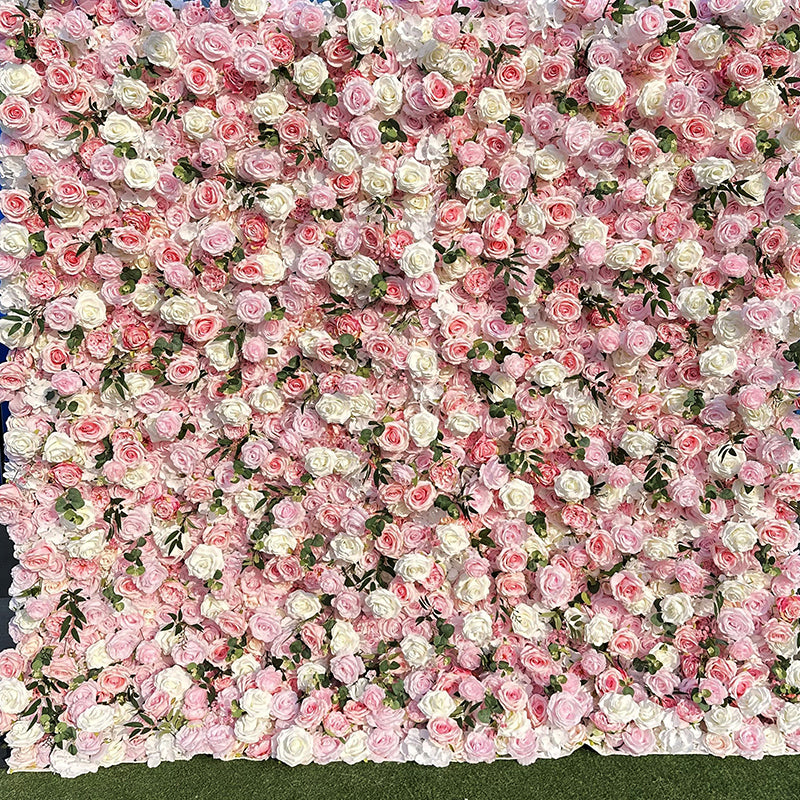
[403, 381]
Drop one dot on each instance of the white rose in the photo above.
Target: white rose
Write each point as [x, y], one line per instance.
[503, 387]
[763, 101]
[462, 423]
[472, 590]
[246, 502]
[19, 80]
[471, 180]
[205, 561]
[730, 326]
[220, 356]
[145, 298]
[710, 172]
[346, 462]
[21, 444]
[129, 92]
[174, 681]
[96, 719]
[234, 411]
[619, 708]
[269, 107]
[756, 700]
[417, 651]
[453, 538]
[302, 605]
[179, 310]
[531, 218]
[278, 202]
[707, 43]
[718, 361]
[572, 485]
[584, 414]
[788, 718]
[543, 337]
[361, 268]
[761, 11]
[388, 94]
[273, 268]
[266, 399]
[686, 256]
[588, 229]
[383, 604]
[59, 447]
[14, 697]
[120, 128]
[739, 537]
[723, 719]
[294, 745]
[478, 627]
[97, 656]
[333, 408]
[14, 240]
[247, 11]
[161, 49]
[423, 427]
[677, 608]
[344, 638]
[414, 567]
[139, 173]
[793, 674]
[422, 363]
[320, 461]
[726, 460]
[418, 259]
[250, 729]
[437, 703]
[659, 188]
[638, 444]
[622, 256]
[90, 310]
[651, 97]
[310, 73]
[527, 622]
[377, 181]
[198, 123]
[549, 163]
[598, 630]
[347, 548]
[549, 373]
[343, 158]
[604, 86]
[516, 496]
[363, 30]
[458, 66]
[493, 105]
[257, 702]
[694, 302]
[412, 177]
[24, 734]
[280, 542]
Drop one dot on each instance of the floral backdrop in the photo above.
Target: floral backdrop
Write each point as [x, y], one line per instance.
[400, 381]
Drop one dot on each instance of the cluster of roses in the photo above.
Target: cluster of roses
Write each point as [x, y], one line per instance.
[404, 381]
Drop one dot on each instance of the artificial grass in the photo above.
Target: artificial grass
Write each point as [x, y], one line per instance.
[581, 776]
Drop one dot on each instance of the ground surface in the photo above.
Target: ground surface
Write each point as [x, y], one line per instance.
[582, 776]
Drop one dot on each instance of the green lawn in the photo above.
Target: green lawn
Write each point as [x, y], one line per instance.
[582, 776]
